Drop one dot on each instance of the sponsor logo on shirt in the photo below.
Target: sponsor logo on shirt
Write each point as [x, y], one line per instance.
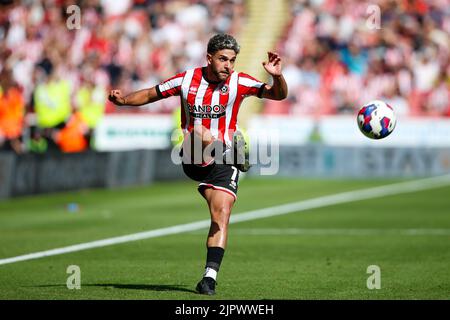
[207, 111]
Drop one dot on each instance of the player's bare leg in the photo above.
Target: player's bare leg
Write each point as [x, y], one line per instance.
[220, 204]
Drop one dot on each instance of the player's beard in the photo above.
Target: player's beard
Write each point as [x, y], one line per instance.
[221, 75]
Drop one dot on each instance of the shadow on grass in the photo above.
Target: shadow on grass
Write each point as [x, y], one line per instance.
[150, 287]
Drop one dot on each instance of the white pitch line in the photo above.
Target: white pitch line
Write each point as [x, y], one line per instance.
[339, 232]
[345, 197]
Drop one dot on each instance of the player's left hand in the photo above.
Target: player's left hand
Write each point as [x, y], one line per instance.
[273, 66]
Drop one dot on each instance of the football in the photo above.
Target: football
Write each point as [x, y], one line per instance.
[376, 119]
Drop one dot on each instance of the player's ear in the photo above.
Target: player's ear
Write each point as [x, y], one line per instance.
[209, 58]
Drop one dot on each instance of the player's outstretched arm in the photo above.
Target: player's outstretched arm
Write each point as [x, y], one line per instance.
[137, 98]
[278, 90]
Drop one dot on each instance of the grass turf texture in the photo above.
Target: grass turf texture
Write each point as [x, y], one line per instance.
[264, 266]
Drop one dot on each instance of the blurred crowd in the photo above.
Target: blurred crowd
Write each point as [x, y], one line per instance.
[340, 54]
[56, 68]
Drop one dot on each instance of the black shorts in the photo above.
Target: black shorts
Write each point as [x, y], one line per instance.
[217, 176]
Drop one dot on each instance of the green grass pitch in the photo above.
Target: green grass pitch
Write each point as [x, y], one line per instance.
[321, 253]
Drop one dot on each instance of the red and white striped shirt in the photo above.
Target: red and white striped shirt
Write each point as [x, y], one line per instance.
[213, 105]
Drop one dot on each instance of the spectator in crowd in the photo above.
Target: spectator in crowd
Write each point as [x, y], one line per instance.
[52, 101]
[73, 137]
[12, 111]
[90, 102]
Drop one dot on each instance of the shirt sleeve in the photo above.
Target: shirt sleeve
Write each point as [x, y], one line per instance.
[171, 86]
[249, 86]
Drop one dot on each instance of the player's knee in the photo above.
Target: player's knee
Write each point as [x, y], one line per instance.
[221, 215]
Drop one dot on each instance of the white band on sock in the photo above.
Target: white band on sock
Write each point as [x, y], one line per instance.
[211, 273]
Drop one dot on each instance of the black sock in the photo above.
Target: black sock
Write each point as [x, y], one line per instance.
[214, 257]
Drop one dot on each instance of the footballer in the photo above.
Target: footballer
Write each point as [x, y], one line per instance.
[212, 150]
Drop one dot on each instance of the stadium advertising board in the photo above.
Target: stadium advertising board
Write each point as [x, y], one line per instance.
[343, 131]
[350, 162]
[132, 132]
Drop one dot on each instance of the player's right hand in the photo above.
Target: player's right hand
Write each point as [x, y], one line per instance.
[116, 97]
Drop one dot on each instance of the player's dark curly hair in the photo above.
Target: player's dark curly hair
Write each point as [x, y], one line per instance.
[222, 41]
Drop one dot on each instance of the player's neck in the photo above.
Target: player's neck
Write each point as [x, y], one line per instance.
[209, 76]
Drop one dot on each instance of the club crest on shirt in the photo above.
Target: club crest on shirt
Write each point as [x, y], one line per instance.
[224, 89]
